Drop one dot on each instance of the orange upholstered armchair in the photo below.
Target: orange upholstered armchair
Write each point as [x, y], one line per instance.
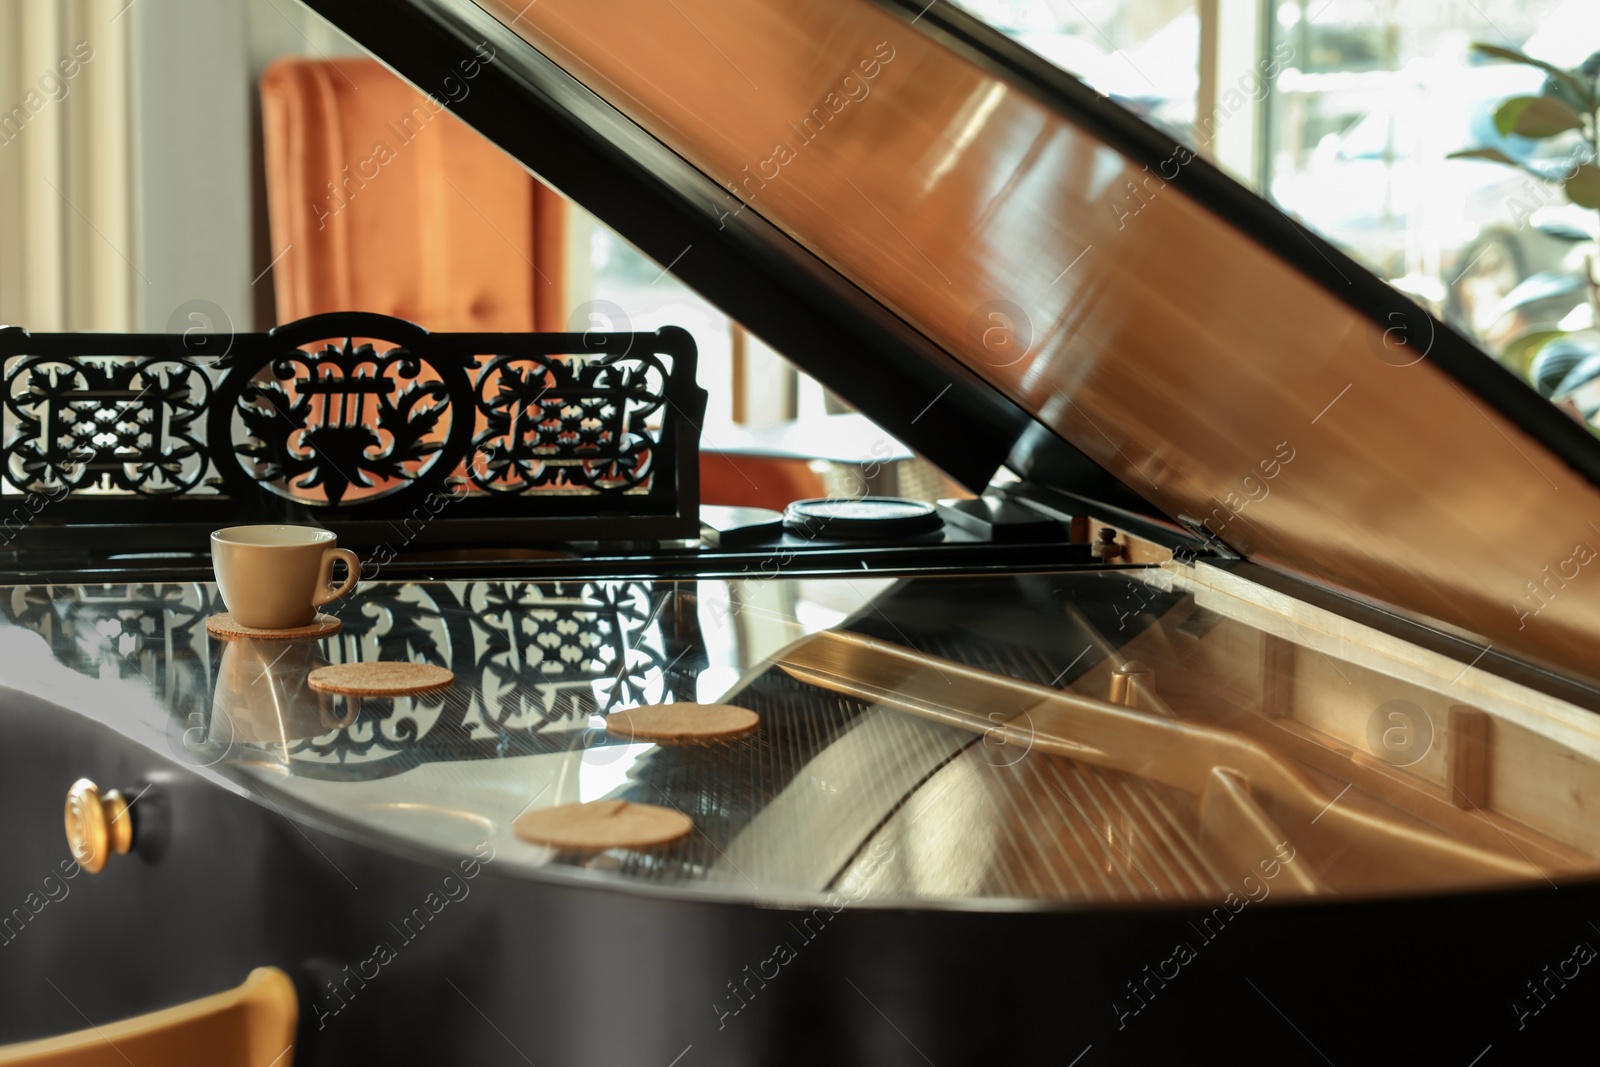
[382, 200]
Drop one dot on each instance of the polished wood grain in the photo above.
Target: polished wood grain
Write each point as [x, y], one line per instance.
[1207, 373]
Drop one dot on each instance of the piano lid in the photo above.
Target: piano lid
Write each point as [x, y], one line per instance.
[970, 245]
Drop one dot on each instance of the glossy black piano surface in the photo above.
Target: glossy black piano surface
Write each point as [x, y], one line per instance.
[1022, 782]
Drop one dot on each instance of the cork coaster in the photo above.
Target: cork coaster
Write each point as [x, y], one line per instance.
[602, 824]
[685, 721]
[224, 626]
[379, 678]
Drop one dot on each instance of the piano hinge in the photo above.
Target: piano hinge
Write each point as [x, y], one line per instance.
[1214, 547]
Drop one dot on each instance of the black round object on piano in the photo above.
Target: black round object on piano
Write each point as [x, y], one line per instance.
[864, 518]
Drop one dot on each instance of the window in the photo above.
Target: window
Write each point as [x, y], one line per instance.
[1142, 53]
[1362, 144]
[1359, 135]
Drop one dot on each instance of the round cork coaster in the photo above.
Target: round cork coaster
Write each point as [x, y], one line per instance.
[685, 721]
[224, 626]
[602, 824]
[379, 678]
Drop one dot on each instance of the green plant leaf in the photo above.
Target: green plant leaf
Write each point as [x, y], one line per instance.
[1583, 188]
[1494, 155]
[1536, 288]
[1587, 370]
[1511, 55]
[1554, 361]
[1563, 91]
[1520, 350]
[1535, 116]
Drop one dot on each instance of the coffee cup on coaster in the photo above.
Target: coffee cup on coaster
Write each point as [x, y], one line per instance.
[276, 577]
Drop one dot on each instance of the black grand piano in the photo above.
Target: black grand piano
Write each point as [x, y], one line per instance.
[1249, 709]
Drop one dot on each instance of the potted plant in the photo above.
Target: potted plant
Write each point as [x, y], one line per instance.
[1560, 358]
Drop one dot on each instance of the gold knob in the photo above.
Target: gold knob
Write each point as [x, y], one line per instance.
[97, 825]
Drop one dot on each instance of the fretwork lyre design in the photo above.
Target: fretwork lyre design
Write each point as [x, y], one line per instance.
[573, 423]
[346, 416]
[360, 422]
[106, 423]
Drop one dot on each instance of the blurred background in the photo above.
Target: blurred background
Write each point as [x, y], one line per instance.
[1387, 127]
[174, 164]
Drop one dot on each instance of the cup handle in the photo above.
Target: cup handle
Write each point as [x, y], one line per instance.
[352, 566]
[352, 706]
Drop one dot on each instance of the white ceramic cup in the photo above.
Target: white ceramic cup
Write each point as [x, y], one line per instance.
[276, 577]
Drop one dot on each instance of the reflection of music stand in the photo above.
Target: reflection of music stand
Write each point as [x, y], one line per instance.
[568, 650]
[527, 657]
[617, 644]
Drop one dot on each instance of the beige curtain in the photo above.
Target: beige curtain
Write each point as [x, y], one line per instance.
[67, 232]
